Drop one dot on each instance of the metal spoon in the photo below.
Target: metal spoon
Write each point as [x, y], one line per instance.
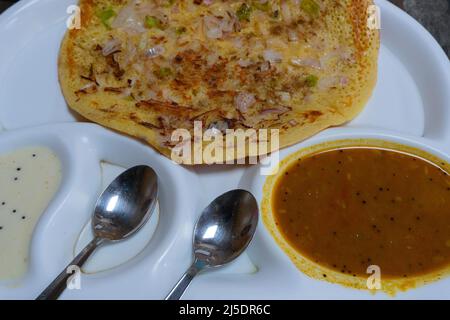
[122, 209]
[222, 233]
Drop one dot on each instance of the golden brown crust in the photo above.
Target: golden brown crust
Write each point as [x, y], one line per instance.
[200, 90]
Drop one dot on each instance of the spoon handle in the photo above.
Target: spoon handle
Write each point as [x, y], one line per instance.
[183, 283]
[54, 290]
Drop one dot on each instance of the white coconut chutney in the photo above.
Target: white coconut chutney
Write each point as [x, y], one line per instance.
[29, 178]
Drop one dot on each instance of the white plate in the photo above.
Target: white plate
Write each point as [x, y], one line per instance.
[412, 98]
[81, 148]
[277, 265]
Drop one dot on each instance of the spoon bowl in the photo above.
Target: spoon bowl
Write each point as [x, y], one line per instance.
[225, 228]
[121, 210]
[126, 204]
[223, 231]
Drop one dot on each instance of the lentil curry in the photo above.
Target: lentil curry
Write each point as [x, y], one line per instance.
[346, 209]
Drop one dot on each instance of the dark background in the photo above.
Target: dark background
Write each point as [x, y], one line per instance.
[5, 4]
[433, 14]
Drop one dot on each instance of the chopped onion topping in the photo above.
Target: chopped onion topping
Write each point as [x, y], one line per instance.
[129, 19]
[245, 63]
[272, 56]
[112, 46]
[307, 62]
[332, 82]
[244, 100]
[278, 110]
[155, 51]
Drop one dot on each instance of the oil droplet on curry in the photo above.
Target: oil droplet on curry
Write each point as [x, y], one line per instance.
[347, 209]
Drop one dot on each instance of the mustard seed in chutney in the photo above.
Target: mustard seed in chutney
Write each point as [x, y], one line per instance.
[347, 209]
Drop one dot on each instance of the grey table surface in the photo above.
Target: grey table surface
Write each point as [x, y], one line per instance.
[432, 14]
